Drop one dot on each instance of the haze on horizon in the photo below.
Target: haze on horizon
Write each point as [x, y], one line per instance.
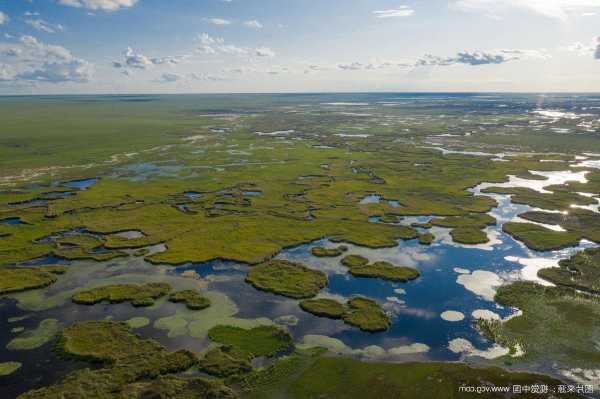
[211, 46]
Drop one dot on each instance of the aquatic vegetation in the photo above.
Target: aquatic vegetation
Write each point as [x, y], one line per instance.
[225, 361]
[322, 252]
[355, 261]
[324, 307]
[309, 374]
[44, 333]
[138, 295]
[125, 358]
[193, 299]
[7, 368]
[426, 239]
[556, 323]
[22, 279]
[170, 386]
[539, 238]
[249, 196]
[257, 341]
[366, 314]
[360, 312]
[581, 271]
[581, 223]
[287, 278]
[557, 200]
[386, 271]
[469, 236]
[138, 322]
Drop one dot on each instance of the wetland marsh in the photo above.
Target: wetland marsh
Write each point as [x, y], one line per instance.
[258, 246]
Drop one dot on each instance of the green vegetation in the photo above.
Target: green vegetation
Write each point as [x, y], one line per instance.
[469, 235]
[359, 267]
[169, 386]
[581, 223]
[581, 271]
[557, 324]
[257, 341]
[539, 238]
[311, 375]
[225, 361]
[360, 312]
[192, 299]
[386, 271]
[22, 279]
[355, 261]
[290, 279]
[138, 322]
[366, 314]
[324, 307]
[7, 368]
[322, 252]
[138, 295]
[128, 363]
[44, 333]
[426, 239]
[557, 200]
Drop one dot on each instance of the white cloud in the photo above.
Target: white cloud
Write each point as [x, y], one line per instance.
[31, 60]
[219, 21]
[99, 5]
[583, 49]
[402, 11]
[557, 9]
[131, 59]
[264, 52]
[171, 77]
[475, 58]
[371, 66]
[3, 18]
[254, 24]
[216, 45]
[75, 70]
[44, 26]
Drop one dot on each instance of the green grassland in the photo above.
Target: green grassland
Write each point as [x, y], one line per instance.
[581, 271]
[557, 324]
[254, 195]
[299, 201]
[312, 375]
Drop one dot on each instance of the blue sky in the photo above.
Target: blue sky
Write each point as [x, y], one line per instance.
[151, 46]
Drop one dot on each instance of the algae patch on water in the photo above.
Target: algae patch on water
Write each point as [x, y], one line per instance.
[7, 368]
[286, 278]
[45, 332]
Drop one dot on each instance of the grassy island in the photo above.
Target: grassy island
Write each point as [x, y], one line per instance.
[138, 295]
[323, 252]
[286, 278]
[192, 299]
[360, 312]
[17, 279]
